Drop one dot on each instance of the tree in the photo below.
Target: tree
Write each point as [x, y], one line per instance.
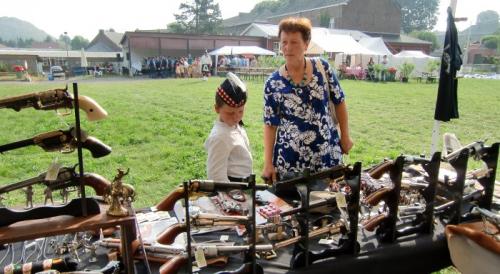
[491, 41]
[64, 39]
[324, 19]
[200, 16]
[487, 17]
[269, 5]
[49, 39]
[78, 42]
[426, 36]
[418, 14]
[176, 27]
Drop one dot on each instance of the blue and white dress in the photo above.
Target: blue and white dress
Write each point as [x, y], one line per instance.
[306, 135]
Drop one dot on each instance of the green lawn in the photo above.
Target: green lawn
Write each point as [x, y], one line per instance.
[157, 127]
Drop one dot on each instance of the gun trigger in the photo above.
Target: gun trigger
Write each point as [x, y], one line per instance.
[64, 112]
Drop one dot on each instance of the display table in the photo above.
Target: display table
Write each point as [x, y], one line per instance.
[32, 229]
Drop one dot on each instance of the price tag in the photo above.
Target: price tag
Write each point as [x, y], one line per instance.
[199, 256]
[53, 171]
[224, 238]
[325, 242]
[340, 198]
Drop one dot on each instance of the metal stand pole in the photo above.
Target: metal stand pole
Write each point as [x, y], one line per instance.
[79, 148]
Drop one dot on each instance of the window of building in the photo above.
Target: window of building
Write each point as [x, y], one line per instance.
[332, 23]
[276, 47]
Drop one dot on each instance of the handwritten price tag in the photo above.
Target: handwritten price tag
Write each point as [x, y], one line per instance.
[340, 198]
[53, 171]
[199, 256]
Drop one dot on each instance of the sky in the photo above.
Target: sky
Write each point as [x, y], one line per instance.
[85, 18]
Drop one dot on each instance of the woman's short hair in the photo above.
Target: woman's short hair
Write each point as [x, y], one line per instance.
[296, 24]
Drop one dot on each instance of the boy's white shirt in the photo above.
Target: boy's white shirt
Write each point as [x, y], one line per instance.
[228, 151]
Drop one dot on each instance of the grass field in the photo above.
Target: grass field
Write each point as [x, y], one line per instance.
[157, 127]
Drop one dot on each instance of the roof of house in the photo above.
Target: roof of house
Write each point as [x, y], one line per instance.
[271, 30]
[113, 39]
[397, 38]
[47, 45]
[293, 6]
[56, 53]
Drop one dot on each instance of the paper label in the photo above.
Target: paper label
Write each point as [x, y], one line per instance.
[224, 238]
[325, 241]
[340, 198]
[53, 171]
[199, 256]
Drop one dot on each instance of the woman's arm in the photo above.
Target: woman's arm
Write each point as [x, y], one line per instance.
[343, 118]
[269, 140]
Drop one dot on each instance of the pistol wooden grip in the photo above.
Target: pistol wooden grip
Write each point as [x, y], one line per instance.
[97, 182]
[379, 170]
[168, 203]
[167, 237]
[173, 265]
[377, 196]
[372, 223]
[96, 147]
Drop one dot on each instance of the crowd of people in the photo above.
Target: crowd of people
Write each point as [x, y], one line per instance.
[237, 61]
[178, 67]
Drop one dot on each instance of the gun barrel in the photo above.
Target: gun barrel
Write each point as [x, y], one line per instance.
[210, 185]
[16, 145]
[333, 172]
[35, 180]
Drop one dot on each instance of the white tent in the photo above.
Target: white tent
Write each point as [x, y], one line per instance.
[335, 43]
[237, 50]
[375, 44]
[416, 57]
[412, 54]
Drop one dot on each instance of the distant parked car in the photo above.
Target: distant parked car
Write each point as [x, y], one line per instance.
[57, 71]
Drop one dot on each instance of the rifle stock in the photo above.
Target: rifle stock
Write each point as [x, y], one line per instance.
[374, 222]
[173, 265]
[379, 170]
[167, 237]
[52, 100]
[377, 196]
[169, 201]
[201, 186]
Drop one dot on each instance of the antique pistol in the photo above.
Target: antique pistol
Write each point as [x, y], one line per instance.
[55, 99]
[67, 177]
[201, 186]
[62, 140]
[168, 236]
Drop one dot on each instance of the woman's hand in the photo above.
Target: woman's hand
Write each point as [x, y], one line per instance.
[346, 144]
[269, 175]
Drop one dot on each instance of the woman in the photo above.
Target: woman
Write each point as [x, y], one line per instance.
[299, 132]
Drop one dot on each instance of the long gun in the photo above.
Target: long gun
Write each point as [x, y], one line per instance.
[375, 221]
[67, 177]
[201, 186]
[61, 140]
[176, 256]
[54, 99]
[173, 265]
[167, 237]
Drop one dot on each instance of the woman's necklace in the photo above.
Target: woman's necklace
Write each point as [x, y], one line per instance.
[304, 78]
